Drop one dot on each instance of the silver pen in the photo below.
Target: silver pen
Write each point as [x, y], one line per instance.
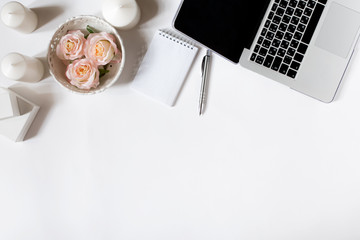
[204, 72]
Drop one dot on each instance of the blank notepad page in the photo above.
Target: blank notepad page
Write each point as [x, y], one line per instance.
[164, 68]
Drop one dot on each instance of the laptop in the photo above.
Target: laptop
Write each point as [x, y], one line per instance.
[304, 44]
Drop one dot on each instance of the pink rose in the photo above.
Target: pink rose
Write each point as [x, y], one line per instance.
[71, 46]
[83, 74]
[101, 48]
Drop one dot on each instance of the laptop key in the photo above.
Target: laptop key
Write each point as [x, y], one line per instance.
[298, 35]
[286, 19]
[271, 15]
[272, 51]
[289, 11]
[283, 3]
[270, 35]
[281, 52]
[267, 23]
[280, 12]
[287, 59]
[279, 35]
[273, 27]
[291, 73]
[291, 51]
[276, 43]
[282, 27]
[288, 36]
[298, 57]
[266, 43]
[294, 44]
[268, 61]
[293, 3]
[311, 4]
[284, 68]
[259, 59]
[295, 65]
[263, 51]
[301, 27]
[302, 48]
[285, 44]
[274, 7]
[302, 4]
[308, 12]
[263, 32]
[276, 64]
[298, 12]
[291, 28]
[253, 57]
[260, 40]
[304, 19]
[295, 20]
[277, 19]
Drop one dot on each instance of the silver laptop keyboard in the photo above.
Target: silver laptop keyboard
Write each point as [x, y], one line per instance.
[286, 35]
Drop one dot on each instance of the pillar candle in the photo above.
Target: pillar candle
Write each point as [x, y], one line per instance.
[122, 14]
[18, 17]
[22, 68]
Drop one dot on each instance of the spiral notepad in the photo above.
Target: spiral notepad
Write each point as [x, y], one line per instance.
[164, 67]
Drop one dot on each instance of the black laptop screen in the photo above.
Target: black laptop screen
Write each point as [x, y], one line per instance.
[225, 26]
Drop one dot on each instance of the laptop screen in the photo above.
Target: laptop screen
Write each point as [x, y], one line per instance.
[225, 26]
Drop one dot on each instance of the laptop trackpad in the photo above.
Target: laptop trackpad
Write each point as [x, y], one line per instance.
[339, 30]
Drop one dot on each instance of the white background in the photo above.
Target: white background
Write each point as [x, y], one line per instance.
[264, 162]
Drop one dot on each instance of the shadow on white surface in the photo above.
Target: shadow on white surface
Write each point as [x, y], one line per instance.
[43, 58]
[135, 42]
[46, 15]
[46, 68]
[149, 9]
[135, 49]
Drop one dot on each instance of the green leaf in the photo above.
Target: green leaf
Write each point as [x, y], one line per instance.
[103, 72]
[90, 29]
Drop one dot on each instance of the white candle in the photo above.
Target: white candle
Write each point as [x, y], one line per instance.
[18, 17]
[122, 14]
[22, 68]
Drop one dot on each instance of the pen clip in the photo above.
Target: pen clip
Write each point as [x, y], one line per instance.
[204, 70]
[208, 53]
[203, 65]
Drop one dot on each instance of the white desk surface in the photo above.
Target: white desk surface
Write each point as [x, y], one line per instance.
[264, 162]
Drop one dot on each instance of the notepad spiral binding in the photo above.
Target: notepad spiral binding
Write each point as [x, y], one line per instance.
[176, 38]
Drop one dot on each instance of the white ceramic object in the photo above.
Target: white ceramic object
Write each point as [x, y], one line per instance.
[17, 16]
[8, 104]
[122, 14]
[58, 68]
[22, 68]
[15, 127]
